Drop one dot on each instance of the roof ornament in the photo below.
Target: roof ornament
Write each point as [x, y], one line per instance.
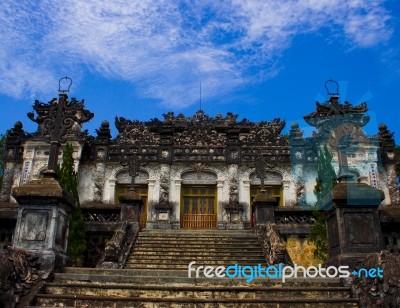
[59, 120]
[64, 86]
[332, 87]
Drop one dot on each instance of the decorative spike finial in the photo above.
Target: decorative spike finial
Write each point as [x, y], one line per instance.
[332, 87]
[64, 86]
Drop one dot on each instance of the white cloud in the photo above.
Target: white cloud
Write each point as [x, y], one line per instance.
[166, 48]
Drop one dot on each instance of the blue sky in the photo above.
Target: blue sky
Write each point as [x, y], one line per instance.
[261, 59]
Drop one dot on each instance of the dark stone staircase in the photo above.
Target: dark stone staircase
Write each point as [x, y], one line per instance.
[156, 275]
[176, 249]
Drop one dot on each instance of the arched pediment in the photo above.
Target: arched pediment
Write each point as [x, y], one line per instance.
[124, 178]
[272, 178]
[200, 178]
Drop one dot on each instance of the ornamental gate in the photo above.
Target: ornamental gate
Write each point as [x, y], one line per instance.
[198, 207]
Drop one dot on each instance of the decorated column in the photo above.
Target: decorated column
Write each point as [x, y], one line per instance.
[353, 223]
[263, 204]
[131, 202]
[45, 206]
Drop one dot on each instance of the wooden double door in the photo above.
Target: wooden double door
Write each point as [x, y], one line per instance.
[198, 207]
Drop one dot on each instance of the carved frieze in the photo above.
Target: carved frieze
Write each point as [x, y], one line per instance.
[124, 178]
[134, 132]
[198, 138]
[271, 178]
[201, 178]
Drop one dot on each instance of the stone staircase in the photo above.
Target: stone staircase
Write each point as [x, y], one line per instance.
[173, 250]
[156, 275]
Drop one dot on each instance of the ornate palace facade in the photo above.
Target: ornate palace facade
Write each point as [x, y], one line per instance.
[202, 171]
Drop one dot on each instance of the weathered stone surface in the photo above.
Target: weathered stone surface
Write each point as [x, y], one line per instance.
[43, 191]
[356, 194]
[118, 247]
[130, 196]
[131, 204]
[353, 225]
[272, 244]
[19, 272]
[264, 207]
[43, 222]
[159, 282]
[381, 291]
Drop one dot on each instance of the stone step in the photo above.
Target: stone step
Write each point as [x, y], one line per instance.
[123, 272]
[64, 300]
[197, 242]
[129, 288]
[147, 252]
[196, 258]
[176, 273]
[215, 237]
[204, 244]
[183, 266]
[157, 291]
[194, 232]
[209, 261]
[179, 277]
[168, 253]
[201, 239]
[200, 248]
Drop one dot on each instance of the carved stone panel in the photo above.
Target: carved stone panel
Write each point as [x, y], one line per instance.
[61, 232]
[34, 225]
[272, 178]
[199, 178]
[124, 178]
[361, 228]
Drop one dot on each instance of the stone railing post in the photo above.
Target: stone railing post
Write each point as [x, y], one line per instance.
[131, 205]
[353, 224]
[264, 208]
[42, 222]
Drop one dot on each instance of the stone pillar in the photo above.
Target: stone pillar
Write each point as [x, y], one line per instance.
[286, 193]
[264, 208]
[42, 222]
[112, 184]
[98, 182]
[246, 199]
[177, 201]
[150, 201]
[220, 190]
[8, 181]
[131, 204]
[353, 224]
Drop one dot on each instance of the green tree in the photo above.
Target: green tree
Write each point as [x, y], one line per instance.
[326, 180]
[68, 179]
[319, 237]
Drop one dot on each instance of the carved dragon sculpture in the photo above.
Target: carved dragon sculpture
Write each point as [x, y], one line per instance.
[19, 273]
[272, 244]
